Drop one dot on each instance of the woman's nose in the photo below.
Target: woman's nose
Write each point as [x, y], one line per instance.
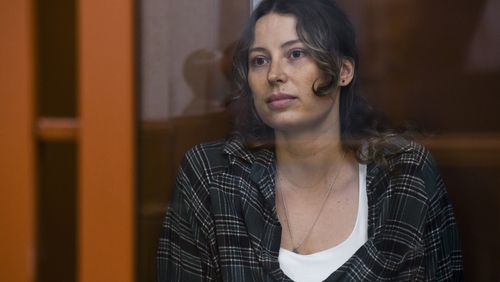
[276, 73]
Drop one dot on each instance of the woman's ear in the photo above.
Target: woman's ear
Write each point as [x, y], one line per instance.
[346, 72]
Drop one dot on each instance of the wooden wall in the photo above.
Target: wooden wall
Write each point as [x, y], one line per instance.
[17, 163]
[67, 120]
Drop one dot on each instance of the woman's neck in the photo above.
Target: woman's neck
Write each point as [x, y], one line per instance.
[305, 159]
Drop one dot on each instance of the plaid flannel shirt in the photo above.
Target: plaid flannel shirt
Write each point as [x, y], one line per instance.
[221, 224]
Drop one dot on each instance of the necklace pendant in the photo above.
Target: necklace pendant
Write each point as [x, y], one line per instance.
[295, 251]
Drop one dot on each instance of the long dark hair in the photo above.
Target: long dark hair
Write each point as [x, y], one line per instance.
[329, 35]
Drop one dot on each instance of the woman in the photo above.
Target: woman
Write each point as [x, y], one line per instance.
[311, 187]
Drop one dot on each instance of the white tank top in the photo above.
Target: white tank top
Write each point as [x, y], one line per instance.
[318, 266]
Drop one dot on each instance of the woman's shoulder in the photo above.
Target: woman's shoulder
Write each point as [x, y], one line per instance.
[400, 150]
[223, 152]
[410, 164]
[205, 155]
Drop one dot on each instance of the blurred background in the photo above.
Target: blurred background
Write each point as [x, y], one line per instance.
[100, 99]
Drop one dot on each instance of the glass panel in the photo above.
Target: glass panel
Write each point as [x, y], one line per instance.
[437, 65]
[184, 67]
[433, 64]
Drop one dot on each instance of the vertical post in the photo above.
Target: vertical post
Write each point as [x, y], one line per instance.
[17, 173]
[106, 145]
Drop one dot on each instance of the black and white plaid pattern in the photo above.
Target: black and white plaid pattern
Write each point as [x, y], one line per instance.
[222, 225]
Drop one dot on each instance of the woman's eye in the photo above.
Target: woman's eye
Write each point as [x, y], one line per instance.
[258, 61]
[295, 54]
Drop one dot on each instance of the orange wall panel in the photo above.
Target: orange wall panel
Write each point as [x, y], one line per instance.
[106, 152]
[17, 229]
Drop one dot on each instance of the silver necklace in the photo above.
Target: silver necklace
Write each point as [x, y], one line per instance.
[295, 248]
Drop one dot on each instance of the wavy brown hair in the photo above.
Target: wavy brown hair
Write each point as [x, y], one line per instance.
[329, 36]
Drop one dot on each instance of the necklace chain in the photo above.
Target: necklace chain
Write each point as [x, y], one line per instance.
[295, 248]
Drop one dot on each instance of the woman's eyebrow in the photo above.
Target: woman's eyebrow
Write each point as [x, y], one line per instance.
[290, 42]
[283, 46]
[257, 49]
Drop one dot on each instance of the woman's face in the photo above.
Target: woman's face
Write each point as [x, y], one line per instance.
[281, 76]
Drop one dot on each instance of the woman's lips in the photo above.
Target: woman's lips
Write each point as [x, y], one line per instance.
[280, 101]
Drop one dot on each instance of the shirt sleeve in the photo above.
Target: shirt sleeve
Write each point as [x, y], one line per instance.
[184, 252]
[443, 257]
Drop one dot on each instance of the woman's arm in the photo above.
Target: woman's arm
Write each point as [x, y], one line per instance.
[443, 257]
[183, 250]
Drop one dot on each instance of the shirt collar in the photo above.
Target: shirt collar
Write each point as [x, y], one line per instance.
[236, 147]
